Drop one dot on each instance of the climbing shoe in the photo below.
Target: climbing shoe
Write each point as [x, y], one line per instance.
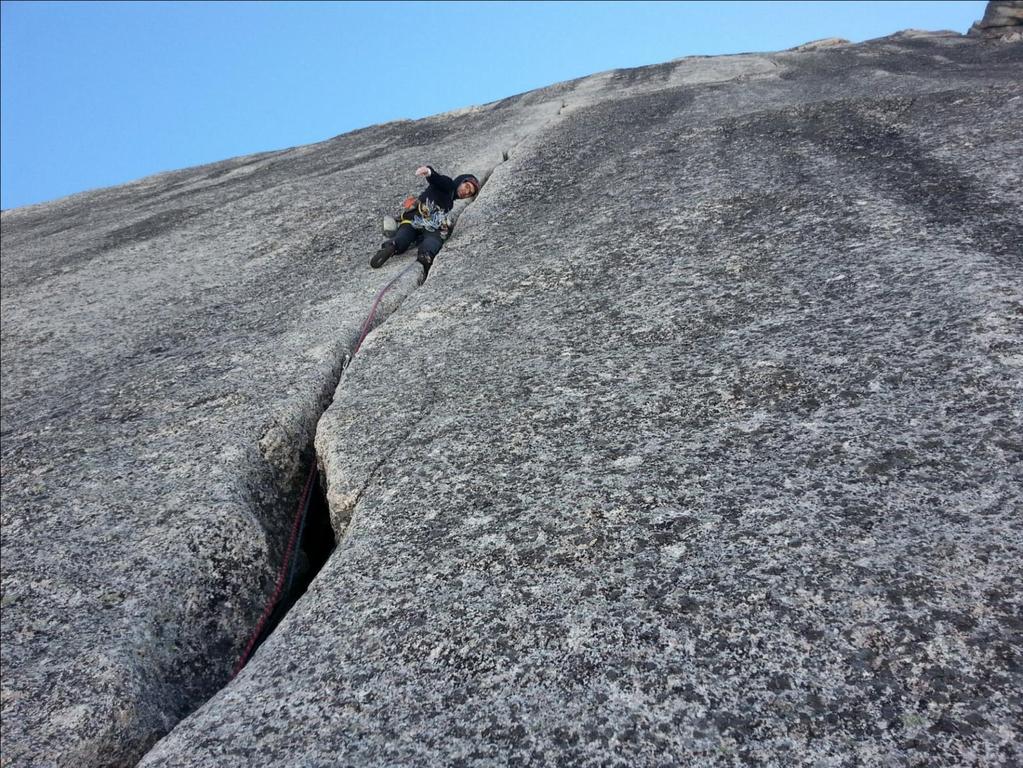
[386, 251]
[424, 258]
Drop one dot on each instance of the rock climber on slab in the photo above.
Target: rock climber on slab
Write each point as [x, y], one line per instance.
[425, 219]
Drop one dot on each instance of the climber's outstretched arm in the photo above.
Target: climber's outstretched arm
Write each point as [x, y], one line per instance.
[443, 183]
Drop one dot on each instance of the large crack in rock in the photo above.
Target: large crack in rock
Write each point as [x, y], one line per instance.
[313, 535]
[310, 543]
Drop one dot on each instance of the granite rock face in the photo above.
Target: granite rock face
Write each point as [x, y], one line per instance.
[1003, 19]
[699, 444]
[168, 347]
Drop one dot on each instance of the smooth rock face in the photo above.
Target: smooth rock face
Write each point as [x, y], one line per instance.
[700, 444]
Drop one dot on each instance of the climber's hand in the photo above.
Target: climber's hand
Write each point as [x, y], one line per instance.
[422, 171]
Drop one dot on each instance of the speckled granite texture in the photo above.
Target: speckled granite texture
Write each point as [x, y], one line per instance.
[168, 347]
[700, 445]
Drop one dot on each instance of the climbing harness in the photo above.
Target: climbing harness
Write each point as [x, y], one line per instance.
[426, 216]
[435, 221]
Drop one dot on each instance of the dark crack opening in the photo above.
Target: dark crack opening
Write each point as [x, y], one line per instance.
[315, 544]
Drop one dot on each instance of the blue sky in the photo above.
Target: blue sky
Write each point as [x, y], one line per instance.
[95, 94]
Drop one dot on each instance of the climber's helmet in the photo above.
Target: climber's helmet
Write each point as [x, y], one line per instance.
[467, 186]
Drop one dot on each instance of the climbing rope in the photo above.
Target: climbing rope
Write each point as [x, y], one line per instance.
[368, 325]
[289, 564]
[301, 535]
[282, 573]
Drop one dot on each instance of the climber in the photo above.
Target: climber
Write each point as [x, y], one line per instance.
[425, 219]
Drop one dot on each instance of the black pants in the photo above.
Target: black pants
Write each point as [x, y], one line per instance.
[430, 243]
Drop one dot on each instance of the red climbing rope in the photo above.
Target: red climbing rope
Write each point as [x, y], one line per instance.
[303, 504]
[281, 574]
[368, 325]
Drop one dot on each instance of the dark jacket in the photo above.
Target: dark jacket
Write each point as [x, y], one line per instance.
[442, 190]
